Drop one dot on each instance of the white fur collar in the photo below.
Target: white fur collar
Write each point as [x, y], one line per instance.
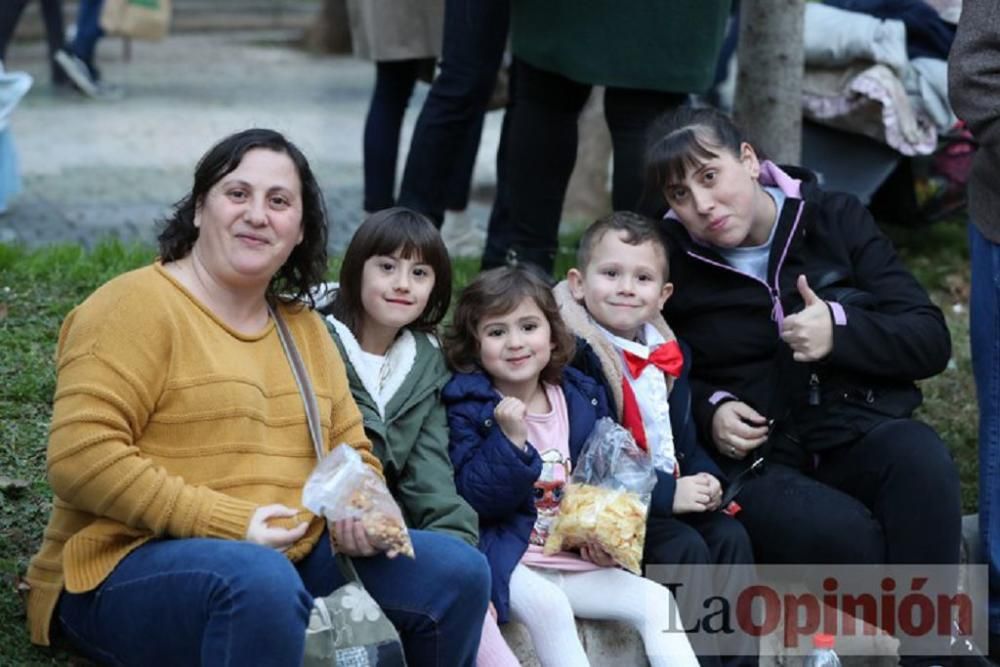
[399, 361]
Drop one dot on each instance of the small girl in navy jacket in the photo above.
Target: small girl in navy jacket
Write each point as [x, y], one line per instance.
[518, 417]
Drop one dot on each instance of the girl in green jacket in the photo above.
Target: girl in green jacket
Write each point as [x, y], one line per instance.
[395, 286]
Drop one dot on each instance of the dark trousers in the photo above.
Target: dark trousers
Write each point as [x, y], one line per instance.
[394, 83]
[891, 497]
[52, 14]
[541, 152]
[710, 538]
[475, 32]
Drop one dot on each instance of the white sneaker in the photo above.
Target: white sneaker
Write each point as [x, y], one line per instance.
[77, 71]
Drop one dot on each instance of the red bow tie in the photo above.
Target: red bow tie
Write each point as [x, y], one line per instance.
[667, 357]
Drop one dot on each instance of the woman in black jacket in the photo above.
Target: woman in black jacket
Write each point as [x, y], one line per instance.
[807, 335]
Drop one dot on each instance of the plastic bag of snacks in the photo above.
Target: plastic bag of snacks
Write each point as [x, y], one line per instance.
[343, 487]
[607, 499]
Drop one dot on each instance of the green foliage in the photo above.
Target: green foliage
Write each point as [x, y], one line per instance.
[38, 288]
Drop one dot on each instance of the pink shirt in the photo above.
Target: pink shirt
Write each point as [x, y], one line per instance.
[549, 435]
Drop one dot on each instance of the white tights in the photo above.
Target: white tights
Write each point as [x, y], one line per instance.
[546, 601]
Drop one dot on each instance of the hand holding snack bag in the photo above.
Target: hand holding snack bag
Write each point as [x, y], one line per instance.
[608, 497]
[343, 487]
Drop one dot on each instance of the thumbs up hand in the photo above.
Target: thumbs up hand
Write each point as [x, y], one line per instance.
[809, 332]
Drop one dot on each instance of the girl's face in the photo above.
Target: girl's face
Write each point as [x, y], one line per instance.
[720, 202]
[394, 291]
[514, 348]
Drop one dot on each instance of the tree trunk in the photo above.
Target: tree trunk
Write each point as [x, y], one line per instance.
[771, 58]
[331, 33]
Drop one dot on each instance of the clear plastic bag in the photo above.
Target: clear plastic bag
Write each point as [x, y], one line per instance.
[343, 487]
[607, 499]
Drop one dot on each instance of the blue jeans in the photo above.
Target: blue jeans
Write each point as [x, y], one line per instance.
[88, 31]
[220, 602]
[475, 32]
[984, 334]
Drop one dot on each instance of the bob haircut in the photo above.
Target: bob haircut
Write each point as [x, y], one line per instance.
[683, 140]
[306, 265]
[498, 292]
[383, 233]
[638, 229]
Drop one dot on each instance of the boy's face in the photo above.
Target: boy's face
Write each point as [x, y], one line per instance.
[623, 286]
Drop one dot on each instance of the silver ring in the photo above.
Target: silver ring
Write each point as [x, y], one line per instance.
[732, 449]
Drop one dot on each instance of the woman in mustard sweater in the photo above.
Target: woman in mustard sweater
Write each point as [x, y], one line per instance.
[179, 448]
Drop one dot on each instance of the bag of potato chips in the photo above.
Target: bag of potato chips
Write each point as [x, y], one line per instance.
[343, 487]
[607, 498]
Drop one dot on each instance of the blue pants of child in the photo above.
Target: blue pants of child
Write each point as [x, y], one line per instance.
[220, 602]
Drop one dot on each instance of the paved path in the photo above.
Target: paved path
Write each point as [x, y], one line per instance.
[97, 167]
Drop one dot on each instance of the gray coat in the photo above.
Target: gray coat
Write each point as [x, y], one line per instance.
[974, 89]
[396, 29]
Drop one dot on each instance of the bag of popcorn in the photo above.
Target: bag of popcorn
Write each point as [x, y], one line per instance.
[343, 487]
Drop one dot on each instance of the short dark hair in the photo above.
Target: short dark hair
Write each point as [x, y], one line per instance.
[306, 265]
[498, 292]
[638, 230]
[682, 140]
[383, 233]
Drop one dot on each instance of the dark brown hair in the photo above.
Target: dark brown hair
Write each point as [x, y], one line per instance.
[683, 140]
[638, 230]
[306, 265]
[498, 292]
[383, 233]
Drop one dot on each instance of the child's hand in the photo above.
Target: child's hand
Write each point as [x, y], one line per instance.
[509, 414]
[597, 555]
[693, 494]
[714, 491]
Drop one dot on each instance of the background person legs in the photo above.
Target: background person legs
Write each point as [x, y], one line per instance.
[88, 33]
[52, 15]
[475, 33]
[541, 152]
[984, 335]
[394, 82]
[629, 113]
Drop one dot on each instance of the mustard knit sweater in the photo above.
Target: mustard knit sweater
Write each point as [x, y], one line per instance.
[167, 423]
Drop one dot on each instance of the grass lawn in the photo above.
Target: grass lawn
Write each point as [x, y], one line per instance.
[37, 289]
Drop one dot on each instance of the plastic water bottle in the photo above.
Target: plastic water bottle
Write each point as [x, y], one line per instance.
[823, 654]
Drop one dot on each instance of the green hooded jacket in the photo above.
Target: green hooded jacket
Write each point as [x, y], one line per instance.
[410, 433]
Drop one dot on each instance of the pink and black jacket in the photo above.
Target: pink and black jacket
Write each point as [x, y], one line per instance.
[886, 332]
